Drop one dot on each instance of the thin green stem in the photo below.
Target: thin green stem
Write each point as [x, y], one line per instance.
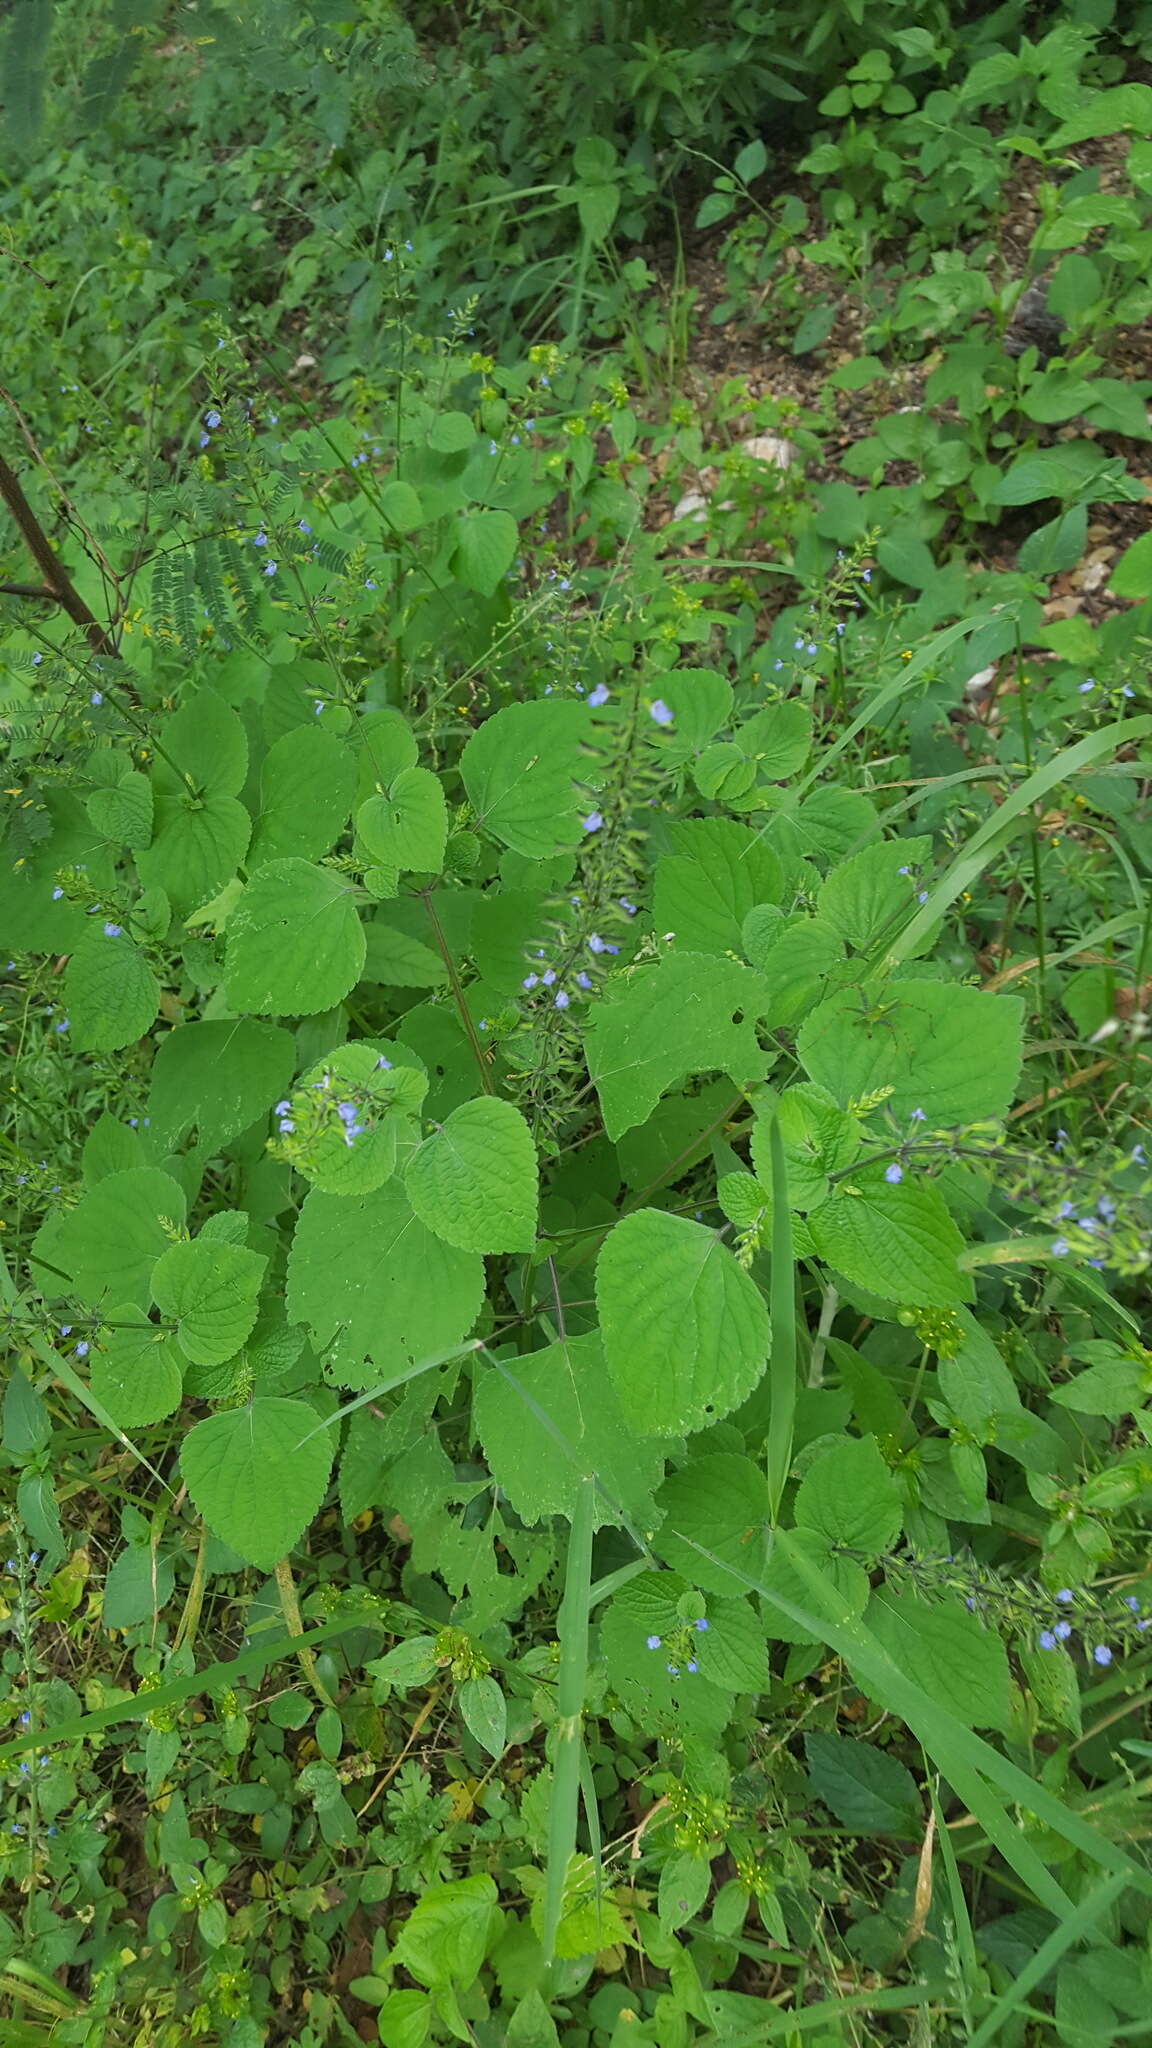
[782, 1309]
[568, 1730]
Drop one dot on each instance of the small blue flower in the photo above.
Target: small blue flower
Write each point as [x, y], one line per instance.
[318, 706]
[867, 576]
[894, 1173]
[629, 907]
[212, 419]
[113, 931]
[346, 1111]
[82, 1349]
[1047, 1639]
[260, 540]
[25, 1720]
[382, 1062]
[653, 1642]
[286, 1127]
[63, 1024]
[922, 896]
[1138, 1155]
[1063, 1629]
[282, 1108]
[96, 699]
[562, 999]
[798, 645]
[65, 1329]
[660, 713]
[1060, 1247]
[530, 981]
[701, 1625]
[1102, 1654]
[812, 649]
[270, 568]
[548, 977]
[303, 526]
[1132, 1603]
[599, 695]
[583, 980]
[592, 822]
[204, 440]
[1065, 1596]
[596, 943]
[917, 1116]
[1089, 685]
[692, 1665]
[57, 894]
[673, 1672]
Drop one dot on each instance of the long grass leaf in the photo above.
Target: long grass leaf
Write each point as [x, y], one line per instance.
[1061, 1939]
[782, 1309]
[568, 1734]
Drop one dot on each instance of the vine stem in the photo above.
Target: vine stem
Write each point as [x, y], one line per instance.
[58, 584]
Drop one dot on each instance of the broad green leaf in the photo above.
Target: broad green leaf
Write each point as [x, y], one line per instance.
[136, 1370]
[111, 993]
[475, 1180]
[704, 889]
[295, 944]
[408, 827]
[387, 1102]
[685, 1883]
[638, 1670]
[445, 1937]
[689, 1014]
[897, 1240]
[954, 1658]
[953, 1052]
[1074, 469]
[396, 959]
[27, 1422]
[386, 746]
[113, 1237]
[778, 739]
[486, 546]
[139, 1583]
[258, 1475]
[721, 1501]
[828, 825]
[485, 1713]
[798, 961]
[867, 1790]
[869, 894]
[1132, 575]
[504, 927]
[400, 506]
[700, 701]
[378, 1291]
[520, 771]
[212, 1290]
[685, 1330]
[124, 812]
[781, 1577]
[819, 1139]
[207, 742]
[197, 846]
[219, 1076]
[307, 783]
[850, 1498]
[547, 1419]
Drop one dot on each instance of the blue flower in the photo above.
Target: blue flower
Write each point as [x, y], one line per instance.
[548, 977]
[63, 1024]
[629, 907]
[1138, 1155]
[260, 540]
[1061, 1247]
[1063, 1629]
[592, 822]
[270, 568]
[599, 695]
[894, 1173]
[36, 660]
[674, 1670]
[286, 1127]
[562, 999]
[302, 526]
[867, 576]
[653, 1642]
[82, 1349]
[212, 419]
[96, 699]
[57, 894]
[798, 645]
[282, 1108]
[1102, 1654]
[596, 943]
[1089, 685]
[530, 981]
[583, 980]
[1065, 1595]
[1047, 1639]
[65, 1329]
[113, 931]
[1132, 1603]
[346, 1111]
[660, 713]
[917, 1116]
[701, 1625]
[692, 1665]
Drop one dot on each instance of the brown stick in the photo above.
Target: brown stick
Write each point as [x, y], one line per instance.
[57, 581]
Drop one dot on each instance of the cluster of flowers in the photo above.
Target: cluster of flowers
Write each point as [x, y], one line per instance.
[1131, 1621]
[347, 1112]
[679, 1645]
[1004, 1605]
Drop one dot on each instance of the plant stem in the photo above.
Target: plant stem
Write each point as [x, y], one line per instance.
[568, 1736]
[293, 1621]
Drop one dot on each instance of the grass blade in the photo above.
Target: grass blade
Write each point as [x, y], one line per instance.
[1061, 1939]
[571, 1679]
[782, 1310]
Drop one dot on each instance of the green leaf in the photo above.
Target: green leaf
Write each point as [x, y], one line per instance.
[396, 959]
[378, 1291]
[124, 813]
[388, 1106]
[1132, 575]
[111, 993]
[520, 772]
[722, 1502]
[867, 1790]
[704, 889]
[27, 1423]
[138, 1585]
[849, 1497]
[897, 1240]
[819, 1138]
[196, 848]
[485, 1713]
[295, 944]
[689, 1014]
[113, 1237]
[1073, 469]
[957, 1662]
[547, 1419]
[136, 1372]
[212, 1290]
[445, 1937]
[486, 545]
[778, 739]
[797, 960]
[218, 1075]
[685, 1883]
[782, 1577]
[307, 783]
[701, 703]
[401, 507]
[686, 1332]
[953, 1052]
[206, 741]
[1057, 545]
[865, 896]
[407, 828]
[830, 824]
[475, 1180]
[258, 1475]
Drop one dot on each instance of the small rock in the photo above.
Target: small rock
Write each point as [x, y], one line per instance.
[980, 681]
[770, 448]
[693, 505]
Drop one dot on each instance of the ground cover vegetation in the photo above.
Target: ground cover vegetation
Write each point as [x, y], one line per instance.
[575, 954]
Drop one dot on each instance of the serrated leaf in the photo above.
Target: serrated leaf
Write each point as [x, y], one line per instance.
[704, 889]
[212, 1290]
[295, 944]
[700, 701]
[124, 813]
[378, 1291]
[686, 1333]
[445, 1936]
[486, 544]
[113, 1237]
[722, 1503]
[690, 1014]
[475, 1180]
[203, 743]
[136, 1372]
[850, 1498]
[867, 1790]
[520, 771]
[387, 1103]
[957, 1662]
[778, 740]
[898, 1240]
[408, 827]
[258, 1475]
[953, 1052]
[781, 1576]
[111, 993]
[219, 1075]
[548, 1419]
[197, 846]
[307, 783]
[867, 896]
